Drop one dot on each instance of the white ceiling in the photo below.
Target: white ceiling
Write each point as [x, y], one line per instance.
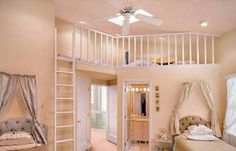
[178, 15]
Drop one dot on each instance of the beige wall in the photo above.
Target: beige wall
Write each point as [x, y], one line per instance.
[26, 47]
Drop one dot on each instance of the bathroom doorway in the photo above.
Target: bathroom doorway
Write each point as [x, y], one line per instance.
[136, 115]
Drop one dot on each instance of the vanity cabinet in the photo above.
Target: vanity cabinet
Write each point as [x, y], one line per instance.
[139, 130]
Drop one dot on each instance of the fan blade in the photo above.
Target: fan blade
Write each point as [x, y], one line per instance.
[125, 27]
[115, 3]
[105, 18]
[150, 20]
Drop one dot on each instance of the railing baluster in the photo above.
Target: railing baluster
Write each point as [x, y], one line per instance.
[101, 53]
[129, 50]
[112, 43]
[198, 49]
[117, 52]
[81, 43]
[107, 52]
[213, 49]
[161, 51]
[183, 60]
[88, 43]
[95, 46]
[135, 49]
[205, 49]
[190, 48]
[148, 51]
[123, 50]
[141, 50]
[155, 49]
[176, 51]
[168, 51]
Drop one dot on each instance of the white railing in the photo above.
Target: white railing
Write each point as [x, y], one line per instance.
[144, 50]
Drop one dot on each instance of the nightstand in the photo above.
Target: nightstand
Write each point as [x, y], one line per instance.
[161, 145]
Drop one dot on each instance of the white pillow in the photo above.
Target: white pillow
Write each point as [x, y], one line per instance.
[199, 129]
[15, 135]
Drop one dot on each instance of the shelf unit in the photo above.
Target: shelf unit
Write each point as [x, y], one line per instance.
[59, 98]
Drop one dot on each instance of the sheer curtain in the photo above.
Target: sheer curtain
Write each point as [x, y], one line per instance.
[210, 101]
[8, 85]
[28, 90]
[230, 115]
[184, 93]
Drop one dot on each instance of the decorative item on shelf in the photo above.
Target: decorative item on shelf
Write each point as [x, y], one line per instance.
[163, 135]
[157, 97]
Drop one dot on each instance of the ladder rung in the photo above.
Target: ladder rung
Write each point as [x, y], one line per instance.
[65, 72]
[65, 98]
[65, 85]
[65, 140]
[64, 126]
[64, 59]
[65, 112]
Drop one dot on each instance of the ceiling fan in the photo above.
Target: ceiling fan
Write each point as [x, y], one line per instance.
[127, 10]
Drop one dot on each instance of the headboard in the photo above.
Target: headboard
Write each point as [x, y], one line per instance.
[19, 124]
[192, 120]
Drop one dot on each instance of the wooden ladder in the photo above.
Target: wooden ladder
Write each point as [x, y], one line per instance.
[64, 67]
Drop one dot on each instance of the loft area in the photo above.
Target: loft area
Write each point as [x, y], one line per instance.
[95, 47]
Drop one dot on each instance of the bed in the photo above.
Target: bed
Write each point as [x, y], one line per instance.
[19, 125]
[181, 143]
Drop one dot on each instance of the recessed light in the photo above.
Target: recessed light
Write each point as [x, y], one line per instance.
[82, 22]
[203, 23]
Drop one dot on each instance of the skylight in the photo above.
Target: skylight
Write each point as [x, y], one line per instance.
[119, 19]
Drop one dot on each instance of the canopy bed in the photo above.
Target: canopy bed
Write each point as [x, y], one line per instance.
[20, 133]
[193, 133]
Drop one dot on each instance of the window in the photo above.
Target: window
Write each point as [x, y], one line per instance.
[99, 96]
[230, 117]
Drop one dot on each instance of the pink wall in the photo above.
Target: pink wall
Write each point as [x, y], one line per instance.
[26, 47]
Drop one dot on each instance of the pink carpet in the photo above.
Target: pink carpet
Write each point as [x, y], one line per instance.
[99, 142]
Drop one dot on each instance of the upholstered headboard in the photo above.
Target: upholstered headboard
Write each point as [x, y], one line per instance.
[192, 120]
[19, 124]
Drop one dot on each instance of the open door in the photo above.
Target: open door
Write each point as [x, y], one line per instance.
[82, 113]
[112, 114]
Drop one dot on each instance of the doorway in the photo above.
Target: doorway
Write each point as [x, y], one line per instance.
[103, 117]
[136, 115]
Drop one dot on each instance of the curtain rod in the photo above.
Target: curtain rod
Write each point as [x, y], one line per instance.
[17, 75]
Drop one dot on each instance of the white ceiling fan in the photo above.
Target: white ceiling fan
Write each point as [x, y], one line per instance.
[128, 11]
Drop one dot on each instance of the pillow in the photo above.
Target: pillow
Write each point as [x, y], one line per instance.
[200, 137]
[14, 142]
[16, 138]
[199, 129]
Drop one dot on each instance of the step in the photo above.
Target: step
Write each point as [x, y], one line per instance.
[65, 72]
[64, 85]
[65, 98]
[60, 58]
[64, 126]
[65, 140]
[65, 112]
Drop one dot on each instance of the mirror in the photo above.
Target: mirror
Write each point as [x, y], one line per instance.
[137, 99]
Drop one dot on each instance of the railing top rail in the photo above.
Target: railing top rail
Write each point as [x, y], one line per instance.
[149, 35]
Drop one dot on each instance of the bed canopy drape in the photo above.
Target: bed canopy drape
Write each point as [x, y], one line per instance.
[28, 89]
[184, 93]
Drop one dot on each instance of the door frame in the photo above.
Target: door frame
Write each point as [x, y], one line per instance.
[113, 140]
[124, 82]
